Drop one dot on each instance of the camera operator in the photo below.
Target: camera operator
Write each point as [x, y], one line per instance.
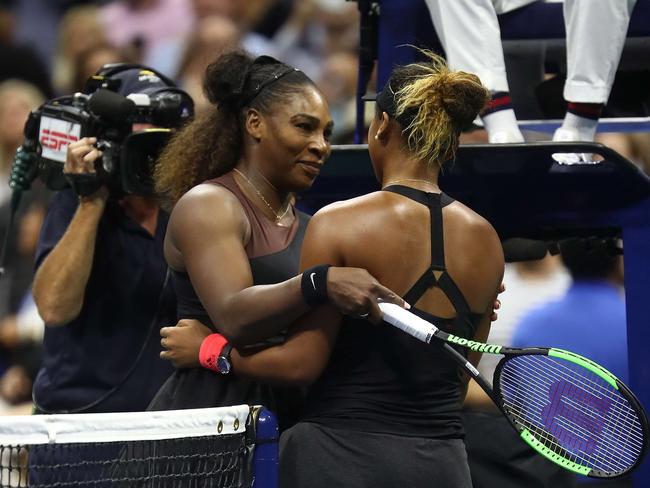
[101, 284]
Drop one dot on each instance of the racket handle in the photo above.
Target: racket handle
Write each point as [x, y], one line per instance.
[408, 322]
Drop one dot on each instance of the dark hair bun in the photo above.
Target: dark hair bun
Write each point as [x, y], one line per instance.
[462, 96]
[225, 77]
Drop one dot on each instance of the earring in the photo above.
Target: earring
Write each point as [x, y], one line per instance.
[376, 137]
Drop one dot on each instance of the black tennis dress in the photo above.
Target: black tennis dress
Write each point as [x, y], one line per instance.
[386, 411]
[274, 256]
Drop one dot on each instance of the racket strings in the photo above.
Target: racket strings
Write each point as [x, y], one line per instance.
[589, 414]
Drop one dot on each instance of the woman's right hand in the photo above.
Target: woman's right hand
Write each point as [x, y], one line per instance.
[182, 343]
[355, 292]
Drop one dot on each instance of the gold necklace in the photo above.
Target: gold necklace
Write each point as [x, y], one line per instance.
[278, 216]
[409, 179]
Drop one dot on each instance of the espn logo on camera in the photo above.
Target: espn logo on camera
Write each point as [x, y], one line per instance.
[55, 135]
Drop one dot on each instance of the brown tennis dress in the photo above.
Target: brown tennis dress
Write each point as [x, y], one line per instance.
[274, 256]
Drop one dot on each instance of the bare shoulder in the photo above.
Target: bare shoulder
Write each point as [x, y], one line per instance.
[339, 216]
[206, 212]
[475, 253]
[361, 205]
[471, 222]
[206, 195]
[333, 232]
[206, 203]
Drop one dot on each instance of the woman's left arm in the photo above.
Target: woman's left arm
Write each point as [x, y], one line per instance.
[298, 361]
[489, 265]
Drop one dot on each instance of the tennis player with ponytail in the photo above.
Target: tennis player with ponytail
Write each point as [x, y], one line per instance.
[383, 408]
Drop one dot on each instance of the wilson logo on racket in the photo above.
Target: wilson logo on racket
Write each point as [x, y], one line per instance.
[474, 345]
[575, 416]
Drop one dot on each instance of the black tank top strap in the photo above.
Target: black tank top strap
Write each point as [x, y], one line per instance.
[433, 202]
[419, 196]
[445, 200]
[437, 274]
[454, 294]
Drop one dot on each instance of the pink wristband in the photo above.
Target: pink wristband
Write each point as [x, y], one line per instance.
[210, 349]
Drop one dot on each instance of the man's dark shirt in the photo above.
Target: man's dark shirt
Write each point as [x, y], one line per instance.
[124, 308]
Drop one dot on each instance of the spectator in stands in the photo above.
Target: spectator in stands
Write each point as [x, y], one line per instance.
[589, 319]
[38, 23]
[212, 36]
[469, 32]
[89, 60]
[594, 302]
[138, 26]
[21, 332]
[219, 25]
[17, 99]
[79, 30]
[20, 60]
[338, 82]
[303, 33]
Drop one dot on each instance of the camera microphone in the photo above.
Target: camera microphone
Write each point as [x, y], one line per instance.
[111, 106]
[518, 249]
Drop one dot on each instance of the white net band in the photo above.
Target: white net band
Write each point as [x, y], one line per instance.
[126, 426]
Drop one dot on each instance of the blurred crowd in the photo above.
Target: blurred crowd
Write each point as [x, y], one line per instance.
[50, 47]
[57, 45]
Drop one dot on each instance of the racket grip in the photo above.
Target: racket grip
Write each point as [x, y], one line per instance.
[408, 322]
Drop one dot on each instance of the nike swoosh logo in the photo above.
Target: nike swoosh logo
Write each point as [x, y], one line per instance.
[311, 276]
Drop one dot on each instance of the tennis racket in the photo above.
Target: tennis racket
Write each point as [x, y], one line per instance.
[566, 407]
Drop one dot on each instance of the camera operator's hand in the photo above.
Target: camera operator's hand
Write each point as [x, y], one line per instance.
[79, 169]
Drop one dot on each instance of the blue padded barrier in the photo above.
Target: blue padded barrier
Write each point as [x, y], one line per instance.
[266, 460]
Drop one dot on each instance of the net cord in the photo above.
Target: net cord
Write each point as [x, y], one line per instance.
[126, 426]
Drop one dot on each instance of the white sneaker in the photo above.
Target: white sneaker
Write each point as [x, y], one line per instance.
[505, 137]
[568, 135]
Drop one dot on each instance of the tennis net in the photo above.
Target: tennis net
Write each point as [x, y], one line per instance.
[230, 447]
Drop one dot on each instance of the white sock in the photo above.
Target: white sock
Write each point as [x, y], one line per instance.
[502, 127]
[576, 128]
